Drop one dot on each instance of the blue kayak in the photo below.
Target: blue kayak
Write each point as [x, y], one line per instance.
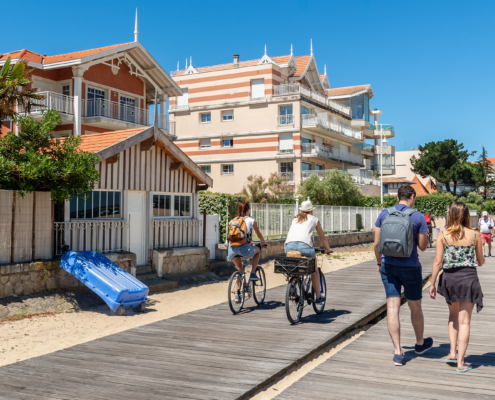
[116, 287]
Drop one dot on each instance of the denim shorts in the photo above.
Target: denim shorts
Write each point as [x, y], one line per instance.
[246, 251]
[394, 277]
[305, 249]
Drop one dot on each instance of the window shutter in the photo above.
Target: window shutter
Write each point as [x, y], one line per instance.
[258, 88]
[184, 99]
[286, 141]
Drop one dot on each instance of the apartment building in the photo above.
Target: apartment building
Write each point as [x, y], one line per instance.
[98, 90]
[273, 114]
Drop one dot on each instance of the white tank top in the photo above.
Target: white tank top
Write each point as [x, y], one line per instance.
[249, 224]
[302, 232]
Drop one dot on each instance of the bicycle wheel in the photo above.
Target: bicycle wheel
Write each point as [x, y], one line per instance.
[236, 281]
[259, 287]
[294, 303]
[323, 289]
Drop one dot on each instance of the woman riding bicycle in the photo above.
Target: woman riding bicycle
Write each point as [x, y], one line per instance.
[300, 238]
[246, 250]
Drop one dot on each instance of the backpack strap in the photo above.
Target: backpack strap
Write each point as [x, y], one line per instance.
[409, 211]
[391, 210]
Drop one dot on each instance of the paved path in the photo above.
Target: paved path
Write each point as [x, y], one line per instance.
[205, 354]
[364, 369]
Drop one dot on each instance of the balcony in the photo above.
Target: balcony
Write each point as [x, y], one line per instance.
[52, 101]
[316, 150]
[285, 120]
[179, 105]
[387, 130]
[365, 147]
[322, 124]
[287, 175]
[100, 112]
[282, 150]
[320, 98]
[359, 179]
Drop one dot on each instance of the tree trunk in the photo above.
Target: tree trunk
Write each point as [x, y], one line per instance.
[455, 188]
[447, 186]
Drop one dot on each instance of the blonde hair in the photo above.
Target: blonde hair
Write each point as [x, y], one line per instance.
[458, 220]
[302, 216]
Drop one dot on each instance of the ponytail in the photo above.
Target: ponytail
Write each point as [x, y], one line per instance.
[301, 217]
[243, 208]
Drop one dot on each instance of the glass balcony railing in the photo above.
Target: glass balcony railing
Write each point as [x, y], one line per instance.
[385, 127]
[365, 147]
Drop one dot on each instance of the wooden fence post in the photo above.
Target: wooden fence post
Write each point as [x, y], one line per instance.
[12, 235]
[204, 227]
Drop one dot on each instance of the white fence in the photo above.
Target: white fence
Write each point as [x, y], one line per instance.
[274, 220]
[176, 233]
[100, 236]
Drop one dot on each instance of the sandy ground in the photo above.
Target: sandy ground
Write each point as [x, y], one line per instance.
[38, 335]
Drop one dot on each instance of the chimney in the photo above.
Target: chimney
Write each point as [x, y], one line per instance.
[412, 148]
[236, 60]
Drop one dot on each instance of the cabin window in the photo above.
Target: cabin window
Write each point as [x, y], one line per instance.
[168, 205]
[162, 205]
[95, 205]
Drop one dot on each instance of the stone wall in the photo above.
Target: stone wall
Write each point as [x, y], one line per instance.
[180, 261]
[40, 276]
[276, 246]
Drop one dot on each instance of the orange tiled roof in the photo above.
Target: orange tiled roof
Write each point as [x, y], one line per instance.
[300, 62]
[31, 56]
[346, 90]
[99, 141]
[395, 180]
[430, 186]
[419, 187]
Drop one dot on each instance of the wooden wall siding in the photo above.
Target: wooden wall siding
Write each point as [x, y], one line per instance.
[176, 233]
[26, 227]
[144, 170]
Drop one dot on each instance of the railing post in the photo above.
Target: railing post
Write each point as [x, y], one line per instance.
[266, 222]
[341, 228]
[296, 209]
[281, 220]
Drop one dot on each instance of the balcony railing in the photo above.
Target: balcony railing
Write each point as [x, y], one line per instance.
[365, 147]
[287, 175]
[360, 180]
[122, 112]
[285, 150]
[322, 121]
[287, 119]
[52, 101]
[385, 127]
[322, 98]
[332, 153]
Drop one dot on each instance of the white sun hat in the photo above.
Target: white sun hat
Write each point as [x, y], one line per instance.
[483, 213]
[306, 206]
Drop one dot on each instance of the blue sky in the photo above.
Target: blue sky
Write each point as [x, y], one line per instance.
[431, 63]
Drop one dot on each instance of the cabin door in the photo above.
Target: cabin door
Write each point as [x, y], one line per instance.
[137, 225]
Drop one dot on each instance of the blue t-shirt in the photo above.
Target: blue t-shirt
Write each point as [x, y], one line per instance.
[419, 226]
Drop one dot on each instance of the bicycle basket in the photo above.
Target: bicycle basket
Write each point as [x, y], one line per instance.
[294, 266]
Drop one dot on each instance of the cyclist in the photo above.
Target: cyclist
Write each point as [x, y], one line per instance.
[300, 238]
[430, 220]
[246, 250]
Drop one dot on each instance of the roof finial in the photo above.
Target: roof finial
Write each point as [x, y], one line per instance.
[291, 49]
[265, 49]
[186, 62]
[311, 46]
[136, 32]
[177, 65]
[325, 69]
[190, 62]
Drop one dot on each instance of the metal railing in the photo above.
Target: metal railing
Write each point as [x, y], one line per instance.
[287, 175]
[274, 220]
[322, 98]
[322, 121]
[171, 232]
[287, 119]
[52, 101]
[385, 127]
[365, 147]
[358, 178]
[100, 236]
[317, 150]
[284, 150]
[122, 112]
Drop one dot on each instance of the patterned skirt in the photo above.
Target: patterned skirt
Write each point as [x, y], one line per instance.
[461, 284]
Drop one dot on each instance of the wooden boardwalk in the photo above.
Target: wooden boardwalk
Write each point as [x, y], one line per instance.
[364, 369]
[205, 354]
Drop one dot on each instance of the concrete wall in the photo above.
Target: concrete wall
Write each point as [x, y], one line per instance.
[276, 247]
[181, 261]
[37, 277]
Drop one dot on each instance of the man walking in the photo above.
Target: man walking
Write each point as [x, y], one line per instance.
[398, 272]
[486, 230]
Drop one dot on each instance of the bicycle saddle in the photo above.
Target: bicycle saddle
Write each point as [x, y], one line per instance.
[294, 254]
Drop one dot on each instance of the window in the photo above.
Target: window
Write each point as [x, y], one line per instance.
[167, 205]
[183, 101]
[205, 118]
[306, 166]
[228, 143]
[258, 89]
[286, 167]
[304, 110]
[319, 167]
[286, 143]
[96, 204]
[66, 90]
[162, 205]
[305, 140]
[285, 116]
[228, 115]
[204, 143]
[206, 169]
[128, 109]
[95, 103]
[228, 169]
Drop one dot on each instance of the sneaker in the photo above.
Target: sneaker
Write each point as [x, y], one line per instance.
[489, 254]
[254, 277]
[427, 345]
[237, 299]
[399, 359]
[319, 300]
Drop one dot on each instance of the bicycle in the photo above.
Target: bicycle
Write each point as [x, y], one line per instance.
[298, 273]
[430, 241]
[238, 286]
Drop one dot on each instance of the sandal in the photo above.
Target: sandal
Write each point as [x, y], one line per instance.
[451, 360]
[467, 368]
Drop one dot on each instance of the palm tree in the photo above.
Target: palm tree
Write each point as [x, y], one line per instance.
[14, 89]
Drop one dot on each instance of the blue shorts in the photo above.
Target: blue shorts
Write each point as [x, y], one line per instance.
[305, 249]
[394, 277]
[246, 251]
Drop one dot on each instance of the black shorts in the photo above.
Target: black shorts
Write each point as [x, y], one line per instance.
[430, 229]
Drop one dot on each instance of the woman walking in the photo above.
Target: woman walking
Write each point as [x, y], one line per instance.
[459, 252]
